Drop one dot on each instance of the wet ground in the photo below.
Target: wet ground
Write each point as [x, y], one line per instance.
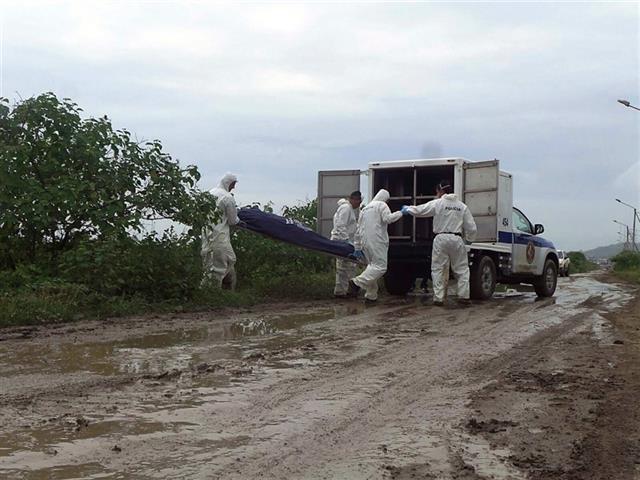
[513, 388]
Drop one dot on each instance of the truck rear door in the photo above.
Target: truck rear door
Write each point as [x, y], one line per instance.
[332, 186]
[480, 194]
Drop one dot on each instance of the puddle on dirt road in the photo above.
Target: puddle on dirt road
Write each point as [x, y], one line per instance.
[67, 428]
[157, 352]
[46, 447]
[91, 471]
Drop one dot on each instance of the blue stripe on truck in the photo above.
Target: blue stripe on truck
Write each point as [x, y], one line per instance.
[523, 239]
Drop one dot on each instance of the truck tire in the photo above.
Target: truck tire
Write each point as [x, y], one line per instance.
[398, 279]
[545, 284]
[566, 272]
[483, 279]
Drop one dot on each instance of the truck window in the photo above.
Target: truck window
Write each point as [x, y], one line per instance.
[521, 222]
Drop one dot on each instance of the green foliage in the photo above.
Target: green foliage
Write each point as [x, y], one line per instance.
[580, 263]
[56, 301]
[64, 178]
[627, 266]
[261, 259]
[627, 261]
[74, 198]
[154, 268]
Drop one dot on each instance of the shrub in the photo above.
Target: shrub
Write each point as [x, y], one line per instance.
[626, 261]
[154, 268]
[580, 263]
[261, 259]
[627, 266]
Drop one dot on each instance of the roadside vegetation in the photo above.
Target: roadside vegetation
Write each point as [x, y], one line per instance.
[626, 265]
[76, 200]
[580, 263]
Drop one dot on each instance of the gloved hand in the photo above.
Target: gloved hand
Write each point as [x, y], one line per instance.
[405, 210]
[358, 254]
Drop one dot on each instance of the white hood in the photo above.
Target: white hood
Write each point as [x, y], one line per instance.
[342, 201]
[227, 180]
[450, 196]
[381, 196]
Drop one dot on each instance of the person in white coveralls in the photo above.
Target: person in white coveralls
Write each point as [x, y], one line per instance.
[372, 244]
[452, 224]
[345, 223]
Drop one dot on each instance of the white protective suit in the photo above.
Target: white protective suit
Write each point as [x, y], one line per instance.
[372, 238]
[450, 216]
[218, 257]
[345, 222]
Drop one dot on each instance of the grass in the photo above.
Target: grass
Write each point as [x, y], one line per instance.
[632, 276]
[55, 302]
[580, 263]
[626, 265]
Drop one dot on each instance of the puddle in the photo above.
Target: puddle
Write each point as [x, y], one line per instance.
[157, 352]
[91, 471]
[44, 438]
[49, 445]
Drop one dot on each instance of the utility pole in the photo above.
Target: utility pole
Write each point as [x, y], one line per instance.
[635, 217]
[627, 244]
[627, 103]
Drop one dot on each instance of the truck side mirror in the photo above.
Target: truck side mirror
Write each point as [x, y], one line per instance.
[538, 229]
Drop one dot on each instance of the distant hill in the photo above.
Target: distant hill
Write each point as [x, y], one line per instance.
[604, 252]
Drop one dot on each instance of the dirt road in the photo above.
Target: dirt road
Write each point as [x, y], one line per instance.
[513, 388]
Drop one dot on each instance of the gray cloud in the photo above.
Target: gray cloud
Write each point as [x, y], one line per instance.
[279, 91]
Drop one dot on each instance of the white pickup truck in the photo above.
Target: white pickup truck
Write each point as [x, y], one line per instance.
[508, 247]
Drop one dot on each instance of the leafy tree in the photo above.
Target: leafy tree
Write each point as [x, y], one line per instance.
[65, 179]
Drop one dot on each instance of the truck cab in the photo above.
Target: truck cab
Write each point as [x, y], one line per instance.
[508, 248]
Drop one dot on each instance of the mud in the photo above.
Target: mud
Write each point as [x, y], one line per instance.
[512, 388]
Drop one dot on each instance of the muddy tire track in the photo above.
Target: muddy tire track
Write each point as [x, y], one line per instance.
[505, 389]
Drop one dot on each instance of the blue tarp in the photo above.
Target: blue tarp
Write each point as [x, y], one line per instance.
[291, 231]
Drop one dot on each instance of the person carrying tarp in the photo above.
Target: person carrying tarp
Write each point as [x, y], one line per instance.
[372, 243]
[345, 223]
[218, 257]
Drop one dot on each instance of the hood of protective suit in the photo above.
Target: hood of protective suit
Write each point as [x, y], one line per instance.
[450, 196]
[342, 201]
[381, 196]
[227, 180]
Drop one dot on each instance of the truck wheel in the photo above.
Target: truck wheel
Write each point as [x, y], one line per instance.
[566, 272]
[483, 279]
[398, 279]
[545, 285]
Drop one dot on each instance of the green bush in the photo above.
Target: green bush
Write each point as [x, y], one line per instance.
[262, 260]
[74, 197]
[64, 178]
[627, 266]
[626, 261]
[57, 301]
[154, 268]
[580, 263]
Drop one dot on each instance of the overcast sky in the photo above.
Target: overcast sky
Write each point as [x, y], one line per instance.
[275, 92]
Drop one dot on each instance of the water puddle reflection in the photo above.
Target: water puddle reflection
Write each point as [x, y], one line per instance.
[165, 350]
